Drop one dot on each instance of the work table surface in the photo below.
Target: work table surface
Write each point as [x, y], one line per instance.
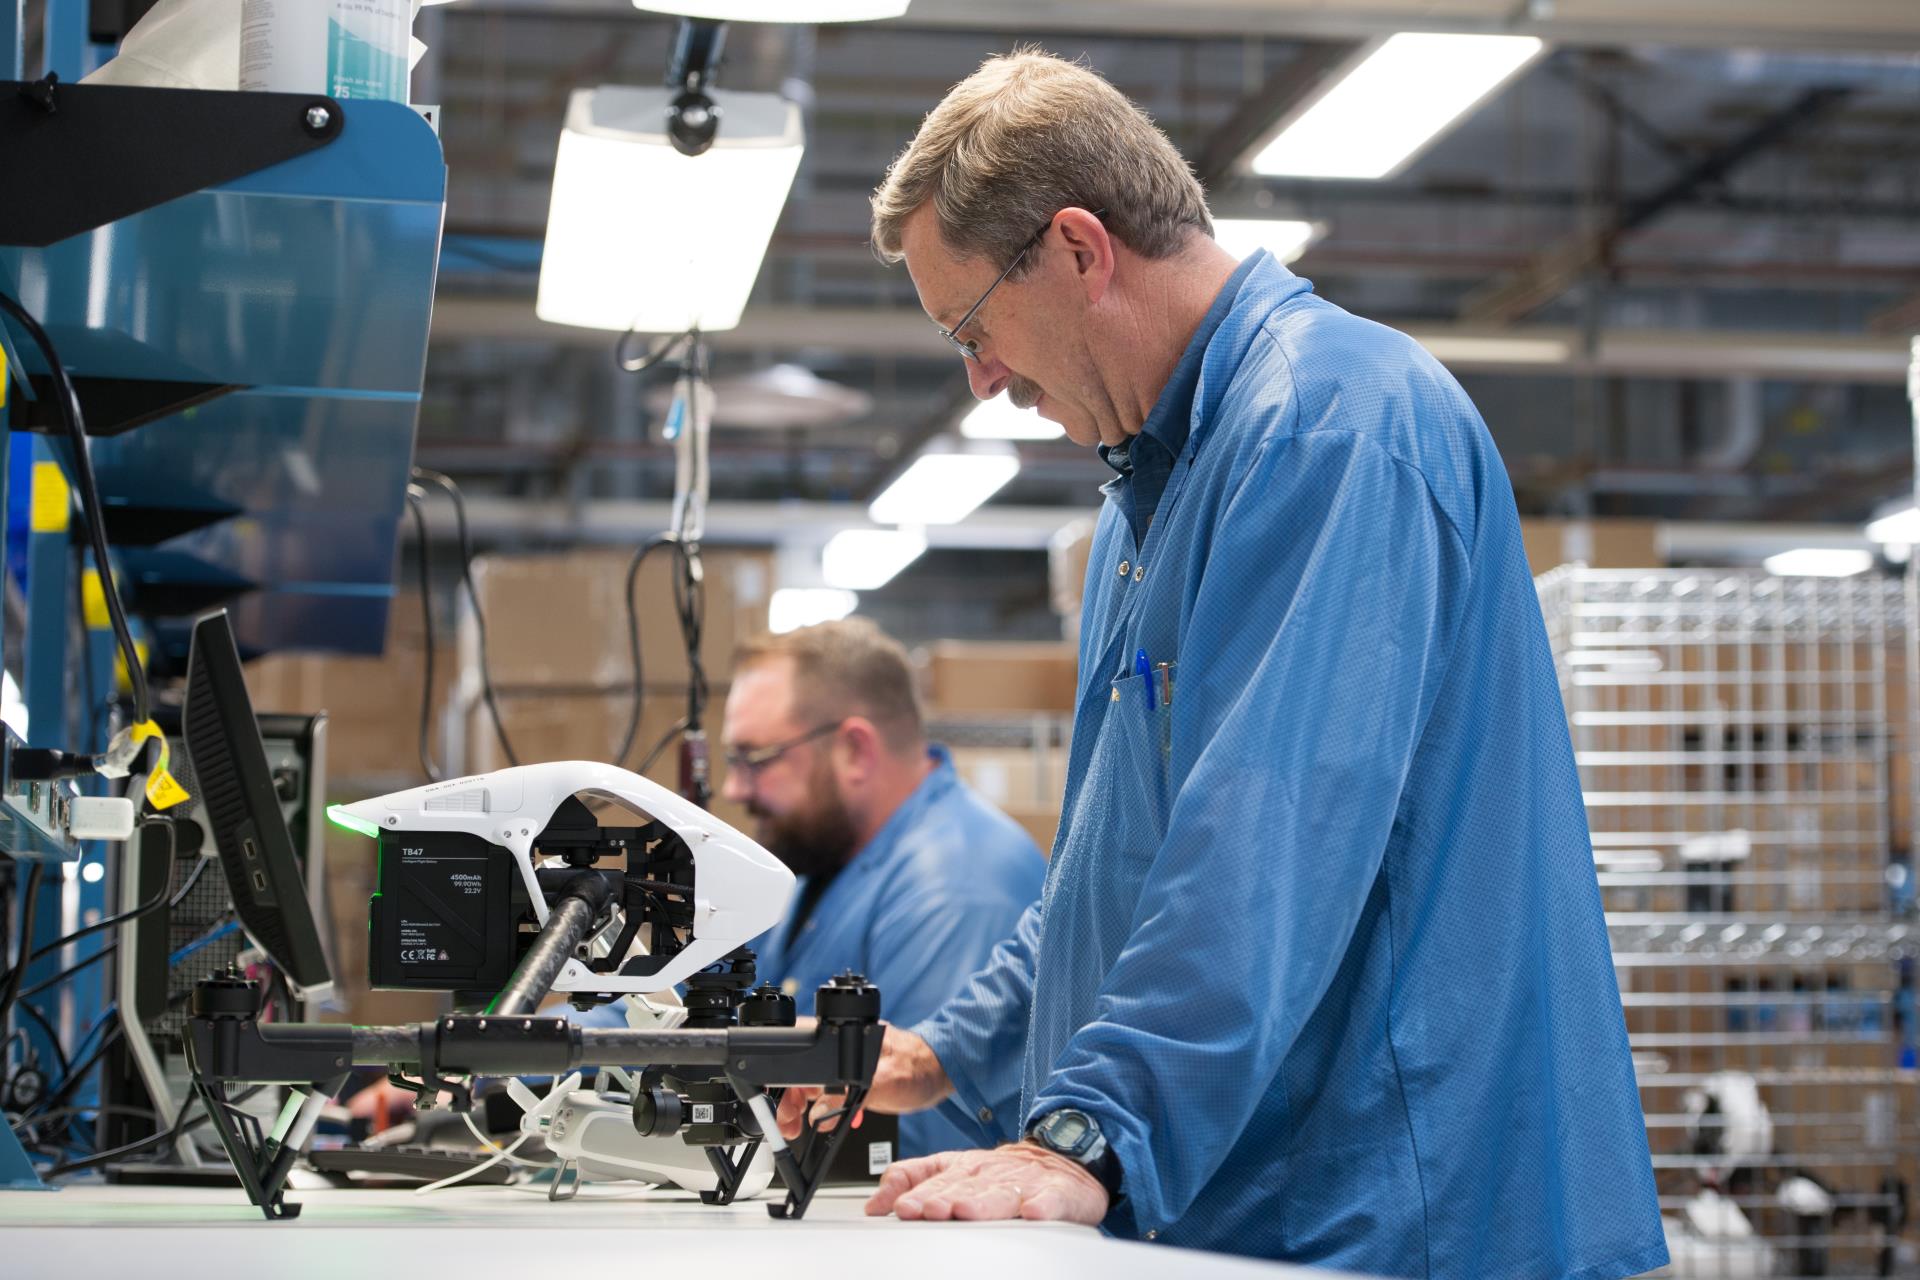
[462, 1232]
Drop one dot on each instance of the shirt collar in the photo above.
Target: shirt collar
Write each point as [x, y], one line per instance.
[1172, 415]
[932, 788]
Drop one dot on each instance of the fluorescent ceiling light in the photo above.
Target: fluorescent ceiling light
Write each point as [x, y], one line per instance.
[1392, 104]
[1285, 238]
[642, 237]
[1819, 562]
[1001, 419]
[867, 559]
[1898, 526]
[1450, 348]
[944, 486]
[778, 10]
[791, 608]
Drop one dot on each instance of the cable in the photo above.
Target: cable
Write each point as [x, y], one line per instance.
[662, 348]
[53, 1037]
[416, 503]
[163, 898]
[68, 402]
[180, 1126]
[675, 730]
[633, 644]
[29, 908]
[502, 1153]
[505, 1153]
[479, 615]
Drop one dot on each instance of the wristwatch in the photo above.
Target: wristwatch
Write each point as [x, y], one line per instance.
[1076, 1135]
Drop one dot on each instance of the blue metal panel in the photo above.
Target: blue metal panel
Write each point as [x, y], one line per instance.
[310, 284]
[13, 35]
[67, 38]
[49, 610]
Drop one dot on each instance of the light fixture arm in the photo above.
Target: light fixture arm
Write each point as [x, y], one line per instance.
[693, 119]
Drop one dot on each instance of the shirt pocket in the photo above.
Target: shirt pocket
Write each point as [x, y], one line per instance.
[1138, 741]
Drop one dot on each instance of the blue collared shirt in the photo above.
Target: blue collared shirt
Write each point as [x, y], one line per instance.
[1321, 944]
[917, 911]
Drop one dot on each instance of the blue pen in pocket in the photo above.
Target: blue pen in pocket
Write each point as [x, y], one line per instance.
[1144, 669]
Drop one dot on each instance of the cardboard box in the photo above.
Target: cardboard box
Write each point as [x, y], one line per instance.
[1041, 824]
[372, 704]
[1067, 572]
[1601, 544]
[961, 676]
[1014, 777]
[561, 620]
[588, 725]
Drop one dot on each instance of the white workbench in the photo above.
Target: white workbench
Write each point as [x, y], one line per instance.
[147, 1233]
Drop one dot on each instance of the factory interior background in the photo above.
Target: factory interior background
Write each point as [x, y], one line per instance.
[1674, 260]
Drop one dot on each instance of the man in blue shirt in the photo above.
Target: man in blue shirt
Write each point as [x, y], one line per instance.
[905, 874]
[1319, 971]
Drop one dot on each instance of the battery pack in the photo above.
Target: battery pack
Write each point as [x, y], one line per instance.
[446, 913]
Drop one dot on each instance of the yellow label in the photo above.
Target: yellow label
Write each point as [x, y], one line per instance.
[3, 377]
[52, 500]
[93, 603]
[162, 791]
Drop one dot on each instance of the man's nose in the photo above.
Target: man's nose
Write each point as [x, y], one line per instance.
[987, 377]
[735, 786]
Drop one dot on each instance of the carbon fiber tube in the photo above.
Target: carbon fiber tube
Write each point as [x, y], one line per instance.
[609, 1047]
[566, 928]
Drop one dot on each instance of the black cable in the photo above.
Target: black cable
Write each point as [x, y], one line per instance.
[416, 503]
[479, 615]
[166, 897]
[29, 908]
[68, 402]
[71, 1080]
[180, 1126]
[53, 1036]
[112, 1108]
[679, 727]
[633, 644]
[70, 970]
[662, 348]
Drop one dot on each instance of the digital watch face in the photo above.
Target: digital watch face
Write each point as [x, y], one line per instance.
[1067, 1131]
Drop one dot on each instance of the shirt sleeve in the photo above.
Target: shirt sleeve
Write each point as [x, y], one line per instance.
[1312, 654]
[979, 1036]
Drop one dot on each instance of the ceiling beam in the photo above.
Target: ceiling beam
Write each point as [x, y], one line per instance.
[1556, 269]
[906, 334]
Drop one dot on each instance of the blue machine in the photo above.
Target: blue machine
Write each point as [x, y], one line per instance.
[250, 353]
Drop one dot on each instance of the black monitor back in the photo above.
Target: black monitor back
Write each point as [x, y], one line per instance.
[243, 813]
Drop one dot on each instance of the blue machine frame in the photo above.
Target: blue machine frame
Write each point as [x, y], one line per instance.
[308, 286]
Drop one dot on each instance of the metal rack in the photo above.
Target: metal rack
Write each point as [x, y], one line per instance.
[1744, 745]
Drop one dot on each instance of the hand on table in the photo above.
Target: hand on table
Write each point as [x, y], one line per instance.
[1020, 1180]
[908, 1078]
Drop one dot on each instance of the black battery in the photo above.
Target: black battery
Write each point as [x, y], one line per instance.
[446, 913]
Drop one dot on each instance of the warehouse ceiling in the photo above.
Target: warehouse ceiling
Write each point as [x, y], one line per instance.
[1701, 220]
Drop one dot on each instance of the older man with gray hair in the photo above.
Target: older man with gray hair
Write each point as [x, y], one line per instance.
[1319, 972]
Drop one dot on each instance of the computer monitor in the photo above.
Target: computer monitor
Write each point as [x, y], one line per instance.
[243, 811]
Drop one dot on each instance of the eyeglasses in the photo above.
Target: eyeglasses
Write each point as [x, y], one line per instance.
[753, 761]
[967, 348]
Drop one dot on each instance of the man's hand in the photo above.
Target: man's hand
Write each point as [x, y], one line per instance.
[908, 1078]
[1016, 1181]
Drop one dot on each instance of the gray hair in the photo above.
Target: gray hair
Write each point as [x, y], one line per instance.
[1028, 135]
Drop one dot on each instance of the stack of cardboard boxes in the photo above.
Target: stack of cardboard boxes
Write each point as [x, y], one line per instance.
[1022, 692]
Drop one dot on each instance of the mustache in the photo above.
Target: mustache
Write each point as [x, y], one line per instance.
[1023, 393]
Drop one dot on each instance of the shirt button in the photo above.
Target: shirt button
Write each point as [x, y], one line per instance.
[986, 1115]
[1124, 566]
[1139, 572]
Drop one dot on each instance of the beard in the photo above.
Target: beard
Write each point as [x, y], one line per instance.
[811, 841]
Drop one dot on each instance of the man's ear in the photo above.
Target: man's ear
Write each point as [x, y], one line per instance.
[862, 744]
[1092, 249]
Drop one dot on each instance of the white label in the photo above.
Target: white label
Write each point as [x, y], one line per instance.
[703, 1113]
[879, 1156]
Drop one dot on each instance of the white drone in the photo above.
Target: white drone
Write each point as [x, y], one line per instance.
[740, 890]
